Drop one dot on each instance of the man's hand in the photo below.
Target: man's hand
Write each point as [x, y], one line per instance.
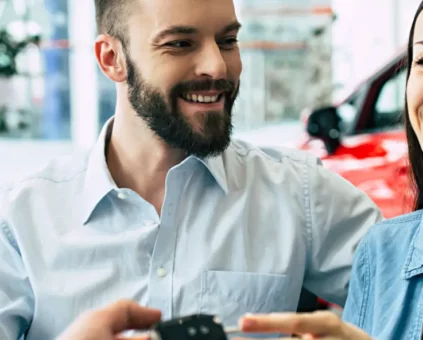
[310, 326]
[107, 323]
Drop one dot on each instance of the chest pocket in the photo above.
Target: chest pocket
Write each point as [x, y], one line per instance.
[229, 295]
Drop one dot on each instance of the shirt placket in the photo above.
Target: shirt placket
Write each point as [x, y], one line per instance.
[162, 262]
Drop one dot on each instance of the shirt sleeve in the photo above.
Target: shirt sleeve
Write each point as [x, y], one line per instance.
[338, 216]
[16, 295]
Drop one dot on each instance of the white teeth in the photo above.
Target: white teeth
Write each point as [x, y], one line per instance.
[200, 98]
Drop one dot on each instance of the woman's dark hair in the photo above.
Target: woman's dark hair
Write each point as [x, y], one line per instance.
[415, 153]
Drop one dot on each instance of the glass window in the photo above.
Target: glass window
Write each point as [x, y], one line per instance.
[390, 102]
[34, 70]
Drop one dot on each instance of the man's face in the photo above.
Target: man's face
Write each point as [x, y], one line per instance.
[183, 66]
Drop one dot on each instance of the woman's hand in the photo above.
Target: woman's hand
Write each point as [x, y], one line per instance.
[308, 326]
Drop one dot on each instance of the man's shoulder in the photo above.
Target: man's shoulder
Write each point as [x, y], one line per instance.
[58, 173]
[250, 153]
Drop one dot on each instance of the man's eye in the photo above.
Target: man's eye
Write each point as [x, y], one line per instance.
[228, 42]
[179, 44]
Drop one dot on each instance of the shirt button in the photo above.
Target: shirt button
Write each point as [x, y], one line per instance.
[121, 195]
[161, 272]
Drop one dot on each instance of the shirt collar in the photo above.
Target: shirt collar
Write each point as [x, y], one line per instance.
[414, 261]
[99, 182]
[216, 167]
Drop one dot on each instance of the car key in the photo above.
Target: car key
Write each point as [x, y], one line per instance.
[193, 327]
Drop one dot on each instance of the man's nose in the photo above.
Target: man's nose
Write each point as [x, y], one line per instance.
[211, 63]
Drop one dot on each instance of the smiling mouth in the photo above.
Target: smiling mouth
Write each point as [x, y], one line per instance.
[202, 99]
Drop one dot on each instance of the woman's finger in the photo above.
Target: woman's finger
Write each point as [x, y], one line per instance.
[318, 323]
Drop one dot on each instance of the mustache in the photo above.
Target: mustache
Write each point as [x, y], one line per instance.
[221, 85]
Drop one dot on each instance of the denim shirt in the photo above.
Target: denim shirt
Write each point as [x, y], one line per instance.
[386, 288]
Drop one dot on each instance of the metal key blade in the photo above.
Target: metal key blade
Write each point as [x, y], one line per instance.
[232, 330]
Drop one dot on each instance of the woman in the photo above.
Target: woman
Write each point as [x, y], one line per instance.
[386, 288]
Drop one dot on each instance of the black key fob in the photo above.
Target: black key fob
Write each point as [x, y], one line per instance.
[194, 327]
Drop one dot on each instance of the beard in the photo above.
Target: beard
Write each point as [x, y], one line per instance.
[171, 125]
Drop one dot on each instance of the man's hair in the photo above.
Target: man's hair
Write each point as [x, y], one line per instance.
[112, 17]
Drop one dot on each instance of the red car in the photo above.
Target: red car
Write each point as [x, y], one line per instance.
[363, 139]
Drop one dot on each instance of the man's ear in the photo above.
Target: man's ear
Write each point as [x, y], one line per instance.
[110, 57]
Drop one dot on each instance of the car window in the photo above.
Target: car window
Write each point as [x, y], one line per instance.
[349, 109]
[390, 103]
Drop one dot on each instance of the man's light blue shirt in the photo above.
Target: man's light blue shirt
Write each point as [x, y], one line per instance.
[240, 232]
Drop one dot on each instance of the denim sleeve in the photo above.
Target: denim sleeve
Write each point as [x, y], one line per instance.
[16, 296]
[358, 294]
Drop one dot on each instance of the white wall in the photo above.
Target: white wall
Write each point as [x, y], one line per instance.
[366, 34]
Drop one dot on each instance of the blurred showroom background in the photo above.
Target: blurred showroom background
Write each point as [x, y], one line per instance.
[298, 55]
